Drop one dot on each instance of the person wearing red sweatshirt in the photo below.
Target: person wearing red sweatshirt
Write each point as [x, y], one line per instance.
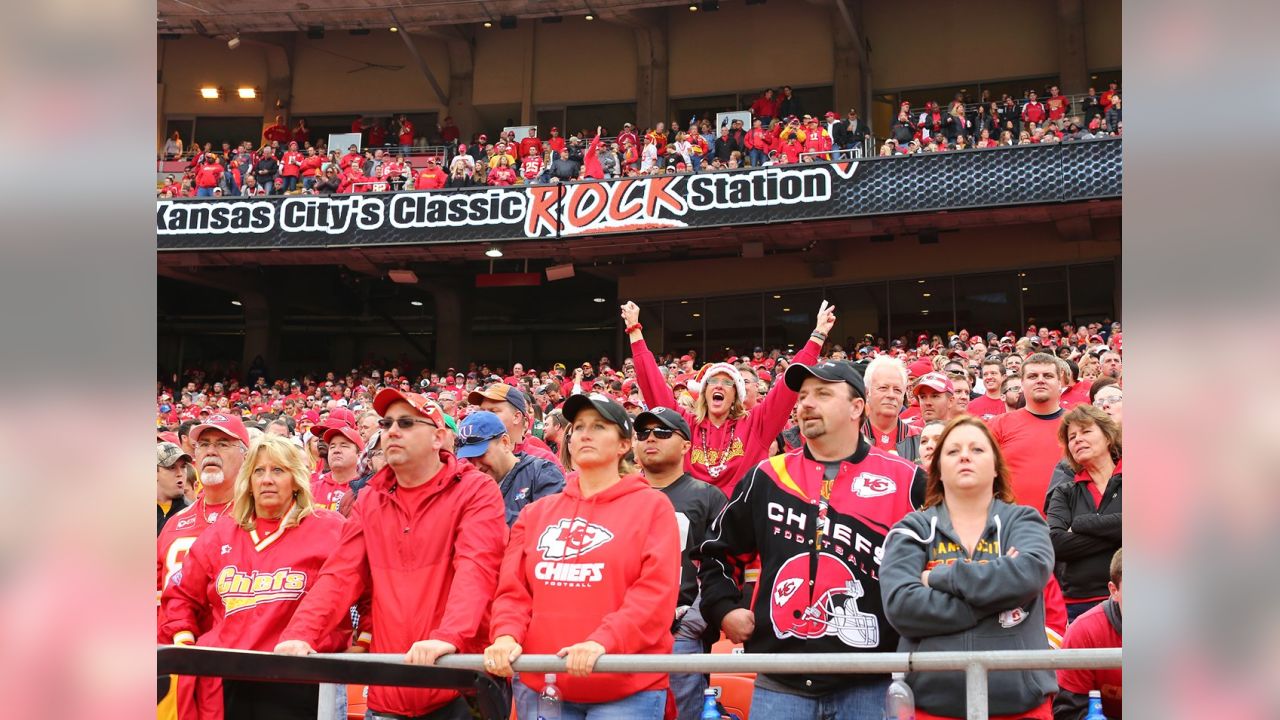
[502, 175]
[592, 570]
[352, 175]
[431, 177]
[208, 174]
[291, 167]
[765, 107]
[758, 143]
[556, 143]
[531, 145]
[274, 530]
[310, 167]
[591, 159]
[425, 540]
[790, 148]
[728, 439]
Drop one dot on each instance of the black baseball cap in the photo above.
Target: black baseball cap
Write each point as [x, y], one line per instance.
[829, 371]
[667, 418]
[608, 409]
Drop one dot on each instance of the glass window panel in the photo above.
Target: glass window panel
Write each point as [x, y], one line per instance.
[1044, 296]
[733, 325]
[218, 130]
[1092, 292]
[682, 326]
[789, 317]
[860, 309]
[921, 305]
[988, 302]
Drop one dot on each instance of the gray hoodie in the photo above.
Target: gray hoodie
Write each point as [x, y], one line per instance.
[991, 602]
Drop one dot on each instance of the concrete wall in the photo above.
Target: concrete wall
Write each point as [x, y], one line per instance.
[326, 83]
[1102, 34]
[193, 62]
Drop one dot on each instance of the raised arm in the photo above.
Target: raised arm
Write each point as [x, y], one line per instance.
[653, 386]
[770, 417]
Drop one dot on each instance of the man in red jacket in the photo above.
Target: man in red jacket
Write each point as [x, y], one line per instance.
[531, 145]
[424, 529]
[207, 175]
[431, 177]
[1033, 111]
[291, 167]
[276, 132]
[556, 143]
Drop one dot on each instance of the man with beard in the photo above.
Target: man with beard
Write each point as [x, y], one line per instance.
[1029, 437]
[662, 438]
[816, 517]
[220, 442]
[1011, 393]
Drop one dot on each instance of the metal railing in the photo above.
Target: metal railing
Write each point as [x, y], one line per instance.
[975, 665]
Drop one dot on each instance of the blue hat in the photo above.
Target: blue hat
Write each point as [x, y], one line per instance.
[476, 431]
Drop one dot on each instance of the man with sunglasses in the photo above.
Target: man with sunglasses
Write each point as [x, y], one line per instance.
[484, 440]
[662, 439]
[424, 529]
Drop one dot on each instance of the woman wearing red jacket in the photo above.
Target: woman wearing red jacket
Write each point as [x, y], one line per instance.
[592, 570]
[502, 175]
[249, 572]
[728, 440]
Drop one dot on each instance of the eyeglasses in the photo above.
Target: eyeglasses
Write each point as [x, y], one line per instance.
[221, 445]
[1103, 403]
[403, 422]
[660, 432]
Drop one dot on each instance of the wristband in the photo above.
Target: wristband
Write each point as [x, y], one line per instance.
[820, 335]
[633, 328]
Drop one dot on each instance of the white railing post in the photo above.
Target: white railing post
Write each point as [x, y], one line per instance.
[975, 691]
[328, 702]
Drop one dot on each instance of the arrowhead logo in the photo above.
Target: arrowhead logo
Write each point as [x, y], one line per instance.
[571, 538]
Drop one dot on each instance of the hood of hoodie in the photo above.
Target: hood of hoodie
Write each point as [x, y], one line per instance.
[626, 486]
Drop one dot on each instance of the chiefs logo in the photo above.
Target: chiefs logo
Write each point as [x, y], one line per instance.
[571, 539]
[219, 418]
[783, 591]
[867, 485]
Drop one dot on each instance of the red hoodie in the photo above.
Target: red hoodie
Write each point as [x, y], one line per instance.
[591, 161]
[428, 554]
[623, 597]
[752, 434]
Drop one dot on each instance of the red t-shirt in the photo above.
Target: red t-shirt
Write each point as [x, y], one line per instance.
[1030, 446]
[1057, 106]
[986, 408]
[406, 133]
[1093, 629]
[1077, 394]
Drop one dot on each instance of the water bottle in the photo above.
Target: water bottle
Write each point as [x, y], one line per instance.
[1095, 706]
[549, 700]
[899, 701]
[709, 709]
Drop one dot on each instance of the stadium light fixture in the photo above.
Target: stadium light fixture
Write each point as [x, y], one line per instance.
[693, 7]
[599, 300]
[247, 93]
[786, 309]
[928, 294]
[236, 303]
[234, 42]
[590, 17]
[493, 252]
[488, 24]
[697, 314]
[416, 303]
[395, 29]
[777, 297]
[403, 276]
[210, 93]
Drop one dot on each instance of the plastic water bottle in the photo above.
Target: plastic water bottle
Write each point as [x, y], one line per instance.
[709, 709]
[549, 700]
[1095, 706]
[899, 701]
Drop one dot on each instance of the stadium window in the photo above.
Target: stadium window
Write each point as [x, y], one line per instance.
[987, 301]
[732, 322]
[233, 130]
[915, 307]
[705, 106]
[550, 118]
[789, 319]
[608, 115]
[681, 330]
[1044, 296]
[1093, 292]
[860, 309]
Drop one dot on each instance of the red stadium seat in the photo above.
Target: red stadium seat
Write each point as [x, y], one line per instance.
[357, 700]
[734, 692]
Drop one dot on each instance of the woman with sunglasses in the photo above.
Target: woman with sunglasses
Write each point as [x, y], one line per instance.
[589, 571]
[727, 439]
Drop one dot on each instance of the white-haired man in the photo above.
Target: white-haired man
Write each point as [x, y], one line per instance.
[886, 383]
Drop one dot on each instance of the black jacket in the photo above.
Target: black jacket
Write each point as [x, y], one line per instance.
[789, 106]
[843, 134]
[1084, 535]
[162, 517]
[563, 168]
[902, 131]
[266, 170]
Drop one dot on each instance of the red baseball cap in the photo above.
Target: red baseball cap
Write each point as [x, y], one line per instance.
[974, 340]
[920, 368]
[168, 437]
[764, 375]
[229, 424]
[421, 404]
[346, 432]
[935, 381]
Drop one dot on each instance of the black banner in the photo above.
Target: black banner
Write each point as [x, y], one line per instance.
[903, 184]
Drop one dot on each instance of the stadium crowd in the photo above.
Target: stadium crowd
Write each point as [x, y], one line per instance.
[780, 132]
[936, 493]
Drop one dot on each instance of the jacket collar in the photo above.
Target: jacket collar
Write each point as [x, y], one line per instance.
[385, 481]
[1084, 476]
[858, 455]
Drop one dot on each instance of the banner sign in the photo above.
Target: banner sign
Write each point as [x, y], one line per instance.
[807, 191]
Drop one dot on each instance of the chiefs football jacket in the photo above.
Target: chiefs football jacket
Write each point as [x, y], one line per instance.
[819, 587]
[603, 568]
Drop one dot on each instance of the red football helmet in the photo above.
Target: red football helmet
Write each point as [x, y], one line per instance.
[833, 609]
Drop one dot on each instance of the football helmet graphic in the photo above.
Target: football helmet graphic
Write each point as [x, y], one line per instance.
[834, 606]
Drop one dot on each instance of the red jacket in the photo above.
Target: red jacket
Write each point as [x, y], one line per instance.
[406, 133]
[623, 596]
[530, 145]
[789, 151]
[278, 133]
[759, 139]
[1033, 112]
[310, 165]
[327, 492]
[556, 143]
[291, 164]
[502, 176]
[430, 556]
[591, 161]
[764, 107]
[208, 175]
[752, 434]
[430, 179]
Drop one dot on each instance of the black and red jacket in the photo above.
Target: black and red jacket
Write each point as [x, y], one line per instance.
[819, 588]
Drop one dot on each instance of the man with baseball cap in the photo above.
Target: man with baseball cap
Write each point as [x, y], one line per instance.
[818, 517]
[484, 440]
[171, 476]
[662, 439]
[424, 529]
[221, 441]
[935, 393]
[511, 406]
[343, 446]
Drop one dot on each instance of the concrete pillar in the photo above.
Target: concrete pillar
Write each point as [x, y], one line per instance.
[851, 83]
[652, 76]
[450, 337]
[262, 330]
[1073, 63]
[528, 112]
[462, 86]
[277, 95]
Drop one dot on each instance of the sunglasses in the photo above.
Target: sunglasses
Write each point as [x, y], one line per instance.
[661, 433]
[403, 422]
